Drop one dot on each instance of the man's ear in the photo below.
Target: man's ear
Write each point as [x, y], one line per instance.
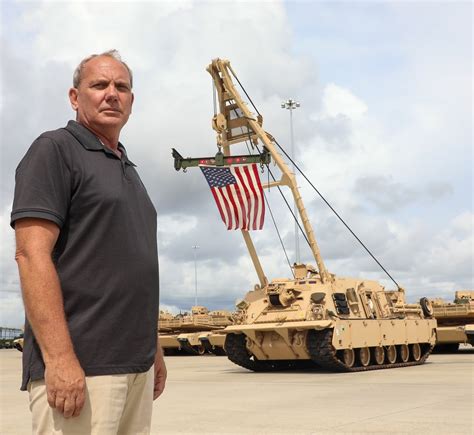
[133, 99]
[73, 98]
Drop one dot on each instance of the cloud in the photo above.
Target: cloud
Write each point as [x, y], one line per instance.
[385, 118]
[338, 116]
[450, 255]
[340, 101]
[389, 195]
[11, 313]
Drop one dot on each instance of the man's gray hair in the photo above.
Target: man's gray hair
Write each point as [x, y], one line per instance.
[76, 78]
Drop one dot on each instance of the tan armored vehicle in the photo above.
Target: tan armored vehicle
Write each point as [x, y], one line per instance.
[18, 343]
[455, 321]
[342, 324]
[191, 332]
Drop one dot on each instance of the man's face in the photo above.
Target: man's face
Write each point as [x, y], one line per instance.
[103, 100]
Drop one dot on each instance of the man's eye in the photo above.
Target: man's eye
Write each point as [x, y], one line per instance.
[99, 86]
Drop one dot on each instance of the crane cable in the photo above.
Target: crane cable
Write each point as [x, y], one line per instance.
[336, 213]
[317, 191]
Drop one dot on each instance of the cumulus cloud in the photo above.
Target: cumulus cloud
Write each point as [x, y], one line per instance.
[389, 195]
[11, 312]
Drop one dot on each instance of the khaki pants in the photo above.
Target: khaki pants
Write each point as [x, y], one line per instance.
[114, 405]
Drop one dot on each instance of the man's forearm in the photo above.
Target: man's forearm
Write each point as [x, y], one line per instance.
[159, 349]
[44, 306]
[160, 371]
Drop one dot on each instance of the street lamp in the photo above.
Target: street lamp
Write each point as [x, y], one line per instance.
[291, 105]
[195, 248]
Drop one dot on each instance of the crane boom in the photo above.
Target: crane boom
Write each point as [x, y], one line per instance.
[234, 124]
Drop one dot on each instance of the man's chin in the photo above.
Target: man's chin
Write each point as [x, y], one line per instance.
[116, 119]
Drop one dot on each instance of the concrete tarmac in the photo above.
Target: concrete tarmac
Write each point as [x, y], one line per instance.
[210, 395]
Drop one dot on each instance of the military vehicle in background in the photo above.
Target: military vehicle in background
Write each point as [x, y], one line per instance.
[313, 318]
[18, 343]
[193, 333]
[455, 321]
[8, 336]
[6, 343]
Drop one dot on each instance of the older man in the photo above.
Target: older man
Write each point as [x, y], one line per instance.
[87, 256]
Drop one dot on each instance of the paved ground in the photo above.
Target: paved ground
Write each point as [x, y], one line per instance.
[209, 395]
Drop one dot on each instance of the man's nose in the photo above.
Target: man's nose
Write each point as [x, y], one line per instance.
[111, 93]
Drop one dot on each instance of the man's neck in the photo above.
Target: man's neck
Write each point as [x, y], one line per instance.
[110, 139]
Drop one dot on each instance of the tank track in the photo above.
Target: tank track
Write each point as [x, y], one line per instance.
[320, 348]
[210, 348]
[237, 352]
[322, 352]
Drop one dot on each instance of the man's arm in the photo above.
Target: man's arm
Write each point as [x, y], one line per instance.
[42, 296]
[160, 371]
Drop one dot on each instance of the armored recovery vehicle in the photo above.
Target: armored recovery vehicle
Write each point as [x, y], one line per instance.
[455, 321]
[314, 317]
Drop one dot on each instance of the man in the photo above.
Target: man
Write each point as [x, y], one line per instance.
[87, 256]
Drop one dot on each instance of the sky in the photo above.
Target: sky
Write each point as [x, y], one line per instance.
[384, 130]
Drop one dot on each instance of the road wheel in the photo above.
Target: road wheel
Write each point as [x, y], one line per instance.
[364, 356]
[201, 350]
[391, 354]
[378, 354]
[403, 353]
[416, 352]
[348, 357]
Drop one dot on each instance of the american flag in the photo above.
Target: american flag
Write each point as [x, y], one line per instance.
[238, 194]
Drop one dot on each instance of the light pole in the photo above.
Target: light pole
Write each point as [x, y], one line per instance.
[195, 248]
[291, 105]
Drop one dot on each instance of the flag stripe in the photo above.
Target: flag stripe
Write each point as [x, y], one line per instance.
[226, 206]
[230, 207]
[254, 194]
[216, 194]
[261, 202]
[247, 198]
[238, 198]
[234, 207]
[256, 211]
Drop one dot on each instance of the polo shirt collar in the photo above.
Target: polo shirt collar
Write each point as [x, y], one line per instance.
[92, 143]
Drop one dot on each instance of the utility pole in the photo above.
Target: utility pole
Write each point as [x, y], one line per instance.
[195, 248]
[291, 105]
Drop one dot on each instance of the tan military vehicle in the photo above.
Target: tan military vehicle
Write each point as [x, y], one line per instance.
[314, 317]
[168, 341]
[455, 321]
[170, 344]
[18, 344]
[189, 332]
[213, 342]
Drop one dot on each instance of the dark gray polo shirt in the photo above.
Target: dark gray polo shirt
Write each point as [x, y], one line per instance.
[106, 254]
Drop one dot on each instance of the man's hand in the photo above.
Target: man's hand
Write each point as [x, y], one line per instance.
[160, 373]
[65, 386]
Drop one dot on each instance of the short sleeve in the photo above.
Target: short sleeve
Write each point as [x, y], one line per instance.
[42, 184]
